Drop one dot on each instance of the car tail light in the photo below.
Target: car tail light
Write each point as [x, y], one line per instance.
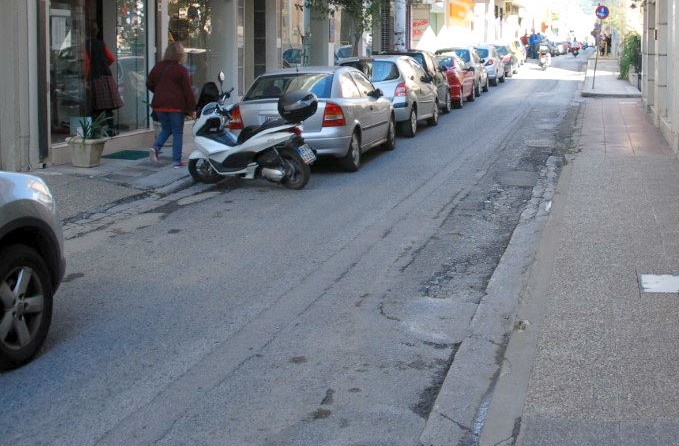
[333, 116]
[401, 90]
[490, 62]
[506, 59]
[235, 122]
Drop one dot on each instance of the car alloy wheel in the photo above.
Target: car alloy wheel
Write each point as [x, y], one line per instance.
[352, 160]
[448, 105]
[434, 120]
[390, 143]
[25, 305]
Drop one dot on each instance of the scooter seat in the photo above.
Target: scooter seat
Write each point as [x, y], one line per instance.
[225, 138]
[251, 130]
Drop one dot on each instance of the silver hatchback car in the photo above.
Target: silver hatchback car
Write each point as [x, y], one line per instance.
[407, 85]
[31, 265]
[352, 116]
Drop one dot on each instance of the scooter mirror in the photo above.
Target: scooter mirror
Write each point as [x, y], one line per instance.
[221, 77]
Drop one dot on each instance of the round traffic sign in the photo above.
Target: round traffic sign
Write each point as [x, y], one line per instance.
[602, 12]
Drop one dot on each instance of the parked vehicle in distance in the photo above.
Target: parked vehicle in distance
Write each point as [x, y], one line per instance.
[562, 48]
[460, 79]
[427, 61]
[493, 63]
[352, 115]
[407, 85]
[343, 52]
[292, 57]
[31, 265]
[509, 59]
[471, 59]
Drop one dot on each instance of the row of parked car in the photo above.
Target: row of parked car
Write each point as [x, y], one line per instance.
[363, 101]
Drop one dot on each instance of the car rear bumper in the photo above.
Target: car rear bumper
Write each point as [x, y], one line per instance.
[402, 113]
[331, 141]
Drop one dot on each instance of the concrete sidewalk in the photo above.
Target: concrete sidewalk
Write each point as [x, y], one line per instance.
[593, 357]
[85, 190]
[602, 80]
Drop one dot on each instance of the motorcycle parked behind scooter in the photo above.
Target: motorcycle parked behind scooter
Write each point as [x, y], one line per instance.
[274, 150]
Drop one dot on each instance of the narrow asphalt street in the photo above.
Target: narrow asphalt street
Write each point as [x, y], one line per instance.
[251, 314]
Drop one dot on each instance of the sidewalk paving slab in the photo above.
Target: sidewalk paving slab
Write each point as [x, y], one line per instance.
[597, 361]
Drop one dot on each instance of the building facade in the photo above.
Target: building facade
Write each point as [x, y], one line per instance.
[660, 57]
[45, 41]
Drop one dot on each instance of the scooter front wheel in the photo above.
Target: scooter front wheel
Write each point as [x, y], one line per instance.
[297, 172]
[201, 170]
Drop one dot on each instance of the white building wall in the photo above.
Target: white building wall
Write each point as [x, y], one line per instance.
[18, 86]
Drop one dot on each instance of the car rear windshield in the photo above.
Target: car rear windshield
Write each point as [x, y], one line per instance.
[384, 71]
[464, 55]
[273, 87]
[446, 62]
[482, 52]
[502, 50]
[419, 57]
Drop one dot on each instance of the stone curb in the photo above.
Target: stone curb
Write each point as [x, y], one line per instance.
[457, 414]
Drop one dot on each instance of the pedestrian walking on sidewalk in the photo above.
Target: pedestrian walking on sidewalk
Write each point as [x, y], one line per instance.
[173, 99]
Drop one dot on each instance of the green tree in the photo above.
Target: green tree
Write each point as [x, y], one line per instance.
[362, 14]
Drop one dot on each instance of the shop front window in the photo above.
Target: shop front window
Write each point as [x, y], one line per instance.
[76, 29]
[200, 26]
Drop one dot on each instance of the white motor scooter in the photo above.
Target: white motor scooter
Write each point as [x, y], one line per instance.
[274, 151]
[544, 57]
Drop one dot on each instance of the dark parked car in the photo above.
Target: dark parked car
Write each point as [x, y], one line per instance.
[428, 62]
[31, 266]
[471, 59]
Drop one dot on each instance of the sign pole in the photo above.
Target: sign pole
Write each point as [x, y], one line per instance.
[601, 13]
[596, 61]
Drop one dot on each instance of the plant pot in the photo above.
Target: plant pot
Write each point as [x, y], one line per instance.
[86, 152]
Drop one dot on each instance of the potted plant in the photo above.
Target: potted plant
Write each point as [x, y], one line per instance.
[87, 147]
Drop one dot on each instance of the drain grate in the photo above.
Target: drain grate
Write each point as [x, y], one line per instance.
[652, 283]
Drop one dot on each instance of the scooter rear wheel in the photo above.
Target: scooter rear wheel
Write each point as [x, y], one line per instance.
[201, 171]
[297, 172]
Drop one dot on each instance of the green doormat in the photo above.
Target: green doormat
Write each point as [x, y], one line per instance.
[128, 155]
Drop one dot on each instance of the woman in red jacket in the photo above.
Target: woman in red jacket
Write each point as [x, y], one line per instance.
[172, 99]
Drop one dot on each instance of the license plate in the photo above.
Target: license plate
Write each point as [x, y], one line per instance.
[308, 155]
[263, 119]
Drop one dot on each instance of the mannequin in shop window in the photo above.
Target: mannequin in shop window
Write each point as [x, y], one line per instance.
[101, 88]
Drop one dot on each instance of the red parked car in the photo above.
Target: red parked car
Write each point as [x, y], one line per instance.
[460, 80]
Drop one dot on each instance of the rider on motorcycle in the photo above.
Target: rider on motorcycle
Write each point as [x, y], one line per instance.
[544, 56]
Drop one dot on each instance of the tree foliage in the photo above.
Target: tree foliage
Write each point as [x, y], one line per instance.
[631, 54]
[362, 13]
